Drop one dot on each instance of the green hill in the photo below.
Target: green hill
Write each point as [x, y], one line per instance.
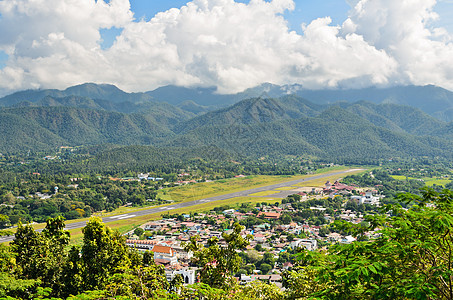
[72, 126]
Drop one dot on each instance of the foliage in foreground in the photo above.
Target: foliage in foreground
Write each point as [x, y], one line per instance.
[409, 257]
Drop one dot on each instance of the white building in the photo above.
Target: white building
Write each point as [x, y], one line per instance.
[347, 240]
[188, 275]
[367, 199]
[309, 244]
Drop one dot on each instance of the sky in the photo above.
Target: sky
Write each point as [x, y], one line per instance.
[139, 45]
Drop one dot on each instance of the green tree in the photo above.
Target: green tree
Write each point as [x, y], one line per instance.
[103, 253]
[4, 221]
[139, 231]
[42, 255]
[219, 264]
[265, 268]
[411, 258]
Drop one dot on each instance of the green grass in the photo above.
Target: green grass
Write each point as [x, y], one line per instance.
[429, 181]
[221, 187]
[210, 189]
[127, 225]
[433, 181]
[130, 223]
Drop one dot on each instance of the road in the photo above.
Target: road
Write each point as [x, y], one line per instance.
[201, 201]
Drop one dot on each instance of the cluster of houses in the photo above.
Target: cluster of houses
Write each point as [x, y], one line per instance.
[166, 237]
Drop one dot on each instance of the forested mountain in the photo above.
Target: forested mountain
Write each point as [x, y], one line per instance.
[40, 128]
[255, 110]
[335, 133]
[103, 114]
[89, 90]
[396, 117]
[433, 100]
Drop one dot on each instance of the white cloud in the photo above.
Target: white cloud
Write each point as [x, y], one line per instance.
[56, 43]
[403, 29]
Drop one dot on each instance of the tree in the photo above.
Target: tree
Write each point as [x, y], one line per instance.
[4, 221]
[139, 231]
[103, 253]
[265, 268]
[219, 264]
[411, 259]
[286, 219]
[259, 290]
[42, 255]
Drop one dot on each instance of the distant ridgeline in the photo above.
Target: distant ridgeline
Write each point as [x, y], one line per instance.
[343, 125]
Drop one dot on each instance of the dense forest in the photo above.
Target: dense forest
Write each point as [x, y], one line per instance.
[91, 115]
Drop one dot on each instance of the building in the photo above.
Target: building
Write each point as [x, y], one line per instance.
[188, 275]
[165, 253]
[269, 215]
[347, 240]
[309, 244]
[141, 245]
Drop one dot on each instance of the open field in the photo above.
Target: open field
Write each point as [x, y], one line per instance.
[216, 188]
[286, 188]
[127, 225]
[220, 187]
[429, 181]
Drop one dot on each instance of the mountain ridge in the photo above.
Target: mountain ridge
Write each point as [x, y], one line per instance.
[435, 101]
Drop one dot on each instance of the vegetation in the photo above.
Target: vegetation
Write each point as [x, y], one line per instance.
[346, 133]
[409, 259]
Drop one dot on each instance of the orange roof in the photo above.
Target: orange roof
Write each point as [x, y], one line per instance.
[271, 215]
[162, 249]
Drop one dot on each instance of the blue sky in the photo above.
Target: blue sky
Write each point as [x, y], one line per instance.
[305, 12]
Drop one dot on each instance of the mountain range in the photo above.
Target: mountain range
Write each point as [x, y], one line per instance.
[266, 120]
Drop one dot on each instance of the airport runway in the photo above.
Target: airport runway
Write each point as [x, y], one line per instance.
[201, 201]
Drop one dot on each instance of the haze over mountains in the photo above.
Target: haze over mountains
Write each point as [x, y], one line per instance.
[266, 120]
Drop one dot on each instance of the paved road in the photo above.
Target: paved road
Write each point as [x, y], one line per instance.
[201, 201]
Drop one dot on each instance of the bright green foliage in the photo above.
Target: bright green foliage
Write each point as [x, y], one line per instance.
[203, 291]
[41, 255]
[139, 231]
[103, 253]
[412, 258]
[4, 221]
[15, 288]
[219, 264]
[139, 282]
[259, 290]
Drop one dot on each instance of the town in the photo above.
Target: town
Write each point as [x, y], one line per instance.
[275, 231]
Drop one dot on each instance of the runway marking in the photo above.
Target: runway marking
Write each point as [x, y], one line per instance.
[126, 217]
[118, 216]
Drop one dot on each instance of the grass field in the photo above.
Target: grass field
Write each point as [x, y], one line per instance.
[127, 225]
[428, 180]
[226, 186]
[221, 187]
